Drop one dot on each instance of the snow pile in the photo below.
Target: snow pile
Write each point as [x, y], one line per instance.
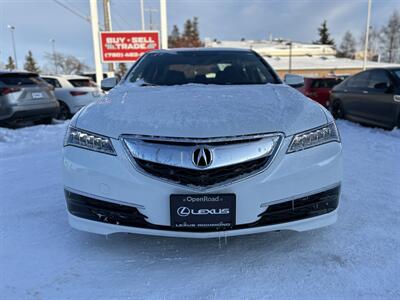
[41, 257]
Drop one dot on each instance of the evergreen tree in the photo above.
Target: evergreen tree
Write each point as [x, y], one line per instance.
[391, 38]
[348, 46]
[324, 35]
[189, 38]
[10, 64]
[30, 63]
[122, 69]
[175, 38]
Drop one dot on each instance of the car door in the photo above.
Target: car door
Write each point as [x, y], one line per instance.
[355, 91]
[379, 106]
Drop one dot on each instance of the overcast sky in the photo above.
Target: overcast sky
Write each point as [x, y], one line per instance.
[38, 21]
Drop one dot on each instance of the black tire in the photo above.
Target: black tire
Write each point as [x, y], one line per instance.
[337, 110]
[64, 113]
[46, 121]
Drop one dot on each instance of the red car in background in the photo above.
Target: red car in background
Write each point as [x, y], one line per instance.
[319, 88]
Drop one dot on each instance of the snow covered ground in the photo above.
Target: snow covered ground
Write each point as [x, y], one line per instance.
[41, 257]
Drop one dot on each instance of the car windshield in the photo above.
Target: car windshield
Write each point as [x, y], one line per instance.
[202, 67]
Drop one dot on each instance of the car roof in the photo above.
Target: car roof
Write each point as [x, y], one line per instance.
[16, 72]
[65, 76]
[202, 49]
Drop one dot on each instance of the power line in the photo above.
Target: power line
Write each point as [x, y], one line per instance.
[119, 16]
[75, 12]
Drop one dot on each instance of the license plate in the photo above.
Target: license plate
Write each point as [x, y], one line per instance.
[203, 211]
[37, 95]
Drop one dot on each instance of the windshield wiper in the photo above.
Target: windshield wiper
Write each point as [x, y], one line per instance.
[147, 84]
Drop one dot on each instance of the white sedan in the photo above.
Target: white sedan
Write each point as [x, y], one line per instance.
[72, 92]
[201, 143]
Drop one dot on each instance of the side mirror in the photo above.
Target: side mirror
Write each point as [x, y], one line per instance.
[294, 80]
[108, 83]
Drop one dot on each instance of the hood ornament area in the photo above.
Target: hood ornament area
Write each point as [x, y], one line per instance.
[202, 157]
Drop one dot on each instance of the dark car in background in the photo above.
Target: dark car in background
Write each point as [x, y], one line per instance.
[26, 96]
[371, 97]
[319, 88]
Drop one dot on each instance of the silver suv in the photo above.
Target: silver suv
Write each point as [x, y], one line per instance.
[26, 96]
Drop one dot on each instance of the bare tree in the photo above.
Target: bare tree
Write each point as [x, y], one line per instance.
[67, 64]
[374, 42]
[348, 45]
[391, 38]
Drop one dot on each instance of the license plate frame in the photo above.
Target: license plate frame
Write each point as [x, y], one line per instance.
[202, 211]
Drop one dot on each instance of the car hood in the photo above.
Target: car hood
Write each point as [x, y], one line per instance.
[201, 111]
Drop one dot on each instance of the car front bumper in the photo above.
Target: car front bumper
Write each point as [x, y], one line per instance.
[290, 177]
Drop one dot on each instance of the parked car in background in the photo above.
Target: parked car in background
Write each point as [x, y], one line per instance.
[371, 97]
[25, 96]
[319, 88]
[73, 92]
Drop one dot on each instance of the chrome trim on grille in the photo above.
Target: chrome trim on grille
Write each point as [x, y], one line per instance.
[269, 152]
[182, 155]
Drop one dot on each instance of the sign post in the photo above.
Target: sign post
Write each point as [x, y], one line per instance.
[127, 46]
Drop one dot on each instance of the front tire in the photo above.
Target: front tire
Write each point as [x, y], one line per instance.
[337, 110]
[64, 113]
[46, 121]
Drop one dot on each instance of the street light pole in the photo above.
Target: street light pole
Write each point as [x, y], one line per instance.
[96, 43]
[53, 46]
[142, 13]
[12, 28]
[367, 36]
[108, 25]
[163, 21]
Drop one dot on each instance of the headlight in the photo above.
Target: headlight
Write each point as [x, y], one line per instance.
[314, 137]
[88, 140]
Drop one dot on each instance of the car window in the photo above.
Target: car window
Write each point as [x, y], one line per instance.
[82, 83]
[19, 79]
[202, 67]
[397, 73]
[378, 77]
[359, 80]
[325, 83]
[54, 82]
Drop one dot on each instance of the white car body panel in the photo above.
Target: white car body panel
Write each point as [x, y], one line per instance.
[201, 111]
[114, 178]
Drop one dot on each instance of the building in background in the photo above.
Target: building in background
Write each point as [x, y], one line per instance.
[306, 59]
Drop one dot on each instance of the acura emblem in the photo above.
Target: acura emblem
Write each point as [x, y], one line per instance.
[202, 157]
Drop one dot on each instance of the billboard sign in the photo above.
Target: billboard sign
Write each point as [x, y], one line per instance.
[127, 46]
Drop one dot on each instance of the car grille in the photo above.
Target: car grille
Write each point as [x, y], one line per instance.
[171, 159]
[202, 177]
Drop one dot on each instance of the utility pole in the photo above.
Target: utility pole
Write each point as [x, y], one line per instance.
[367, 35]
[142, 14]
[163, 21]
[107, 25]
[12, 28]
[290, 44]
[96, 43]
[151, 11]
[53, 47]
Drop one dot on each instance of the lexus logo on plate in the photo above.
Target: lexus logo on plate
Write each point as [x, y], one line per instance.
[202, 157]
[183, 211]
